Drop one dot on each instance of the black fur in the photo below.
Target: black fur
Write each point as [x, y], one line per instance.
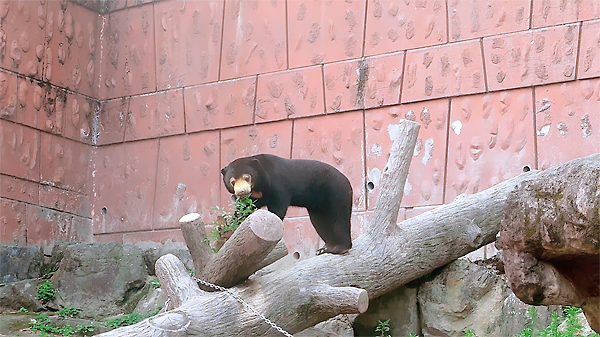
[319, 187]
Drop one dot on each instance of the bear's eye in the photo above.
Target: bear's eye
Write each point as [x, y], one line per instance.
[246, 177]
[232, 181]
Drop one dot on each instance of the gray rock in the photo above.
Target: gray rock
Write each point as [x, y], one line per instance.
[20, 263]
[399, 306]
[466, 296]
[53, 262]
[153, 251]
[21, 294]
[338, 326]
[520, 315]
[154, 299]
[101, 279]
[586, 330]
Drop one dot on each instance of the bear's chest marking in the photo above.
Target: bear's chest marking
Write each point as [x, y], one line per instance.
[256, 195]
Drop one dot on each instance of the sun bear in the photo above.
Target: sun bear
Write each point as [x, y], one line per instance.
[277, 183]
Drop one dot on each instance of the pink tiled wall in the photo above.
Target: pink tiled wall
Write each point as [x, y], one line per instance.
[49, 81]
[117, 116]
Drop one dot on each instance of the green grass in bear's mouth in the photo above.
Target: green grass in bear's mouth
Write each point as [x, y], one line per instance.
[243, 207]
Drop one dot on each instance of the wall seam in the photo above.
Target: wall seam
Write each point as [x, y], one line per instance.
[364, 38]
[485, 77]
[222, 38]
[535, 137]
[158, 143]
[446, 163]
[531, 14]
[155, 46]
[578, 54]
[287, 36]
[447, 23]
[324, 89]
[365, 166]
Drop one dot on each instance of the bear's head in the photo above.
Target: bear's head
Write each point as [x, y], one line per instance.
[243, 176]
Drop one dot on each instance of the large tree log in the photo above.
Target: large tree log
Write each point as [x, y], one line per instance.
[551, 238]
[194, 234]
[386, 257]
[241, 255]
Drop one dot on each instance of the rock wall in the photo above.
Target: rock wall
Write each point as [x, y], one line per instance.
[105, 279]
[462, 296]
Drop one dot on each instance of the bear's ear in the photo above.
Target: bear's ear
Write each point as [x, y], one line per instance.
[223, 170]
[255, 163]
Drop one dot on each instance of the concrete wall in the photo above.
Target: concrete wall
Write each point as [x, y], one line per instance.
[186, 87]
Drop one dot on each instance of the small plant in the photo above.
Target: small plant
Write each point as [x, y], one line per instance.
[191, 272]
[46, 291]
[124, 320]
[68, 312]
[155, 283]
[383, 327]
[244, 206]
[570, 314]
[469, 333]
[23, 310]
[128, 319]
[572, 327]
[85, 328]
[42, 324]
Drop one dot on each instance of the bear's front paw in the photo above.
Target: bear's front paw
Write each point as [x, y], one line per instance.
[322, 251]
[336, 250]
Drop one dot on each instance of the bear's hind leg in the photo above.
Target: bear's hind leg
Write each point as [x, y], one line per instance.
[335, 232]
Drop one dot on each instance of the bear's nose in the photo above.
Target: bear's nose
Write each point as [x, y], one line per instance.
[241, 187]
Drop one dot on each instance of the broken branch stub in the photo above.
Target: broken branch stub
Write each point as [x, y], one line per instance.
[249, 248]
[244, 251]
[194, 234]
[394, 176]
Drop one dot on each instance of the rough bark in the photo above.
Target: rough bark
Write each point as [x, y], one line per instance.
[220, 314]
[277, 253]
[241, 255]
[244, 250]
[194, 234]
[300, 294]
[393, 178]
[551, 238]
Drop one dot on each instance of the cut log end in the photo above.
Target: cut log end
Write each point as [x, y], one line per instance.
[363, 301]
[344, 300]
[266, 225]
[189, 218]
[194, 234]
[244, 251]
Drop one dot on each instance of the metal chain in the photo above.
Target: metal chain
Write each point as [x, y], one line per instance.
[239, 299]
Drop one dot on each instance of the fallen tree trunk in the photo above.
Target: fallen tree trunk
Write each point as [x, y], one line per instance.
[313, 290]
